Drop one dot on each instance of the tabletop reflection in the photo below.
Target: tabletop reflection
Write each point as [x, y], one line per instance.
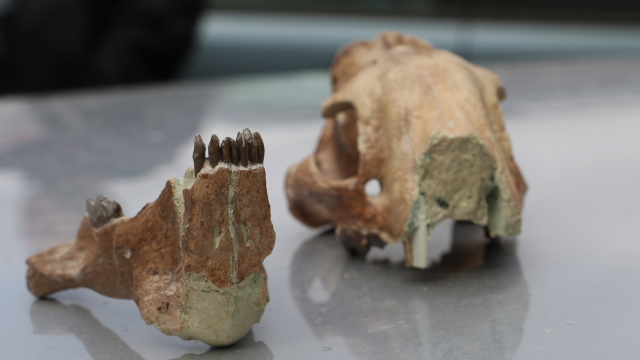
[472, 304]
[50, 317]
[74, 143]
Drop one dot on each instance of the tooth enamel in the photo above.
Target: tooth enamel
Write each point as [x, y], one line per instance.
[225, 151]
[199, 149]
[420, 238]
[235, 158]
[214, 151]
[252, 150]
[259, 147]
[102, 210]
[242, 150]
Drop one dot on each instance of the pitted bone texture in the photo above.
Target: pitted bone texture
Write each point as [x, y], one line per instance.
[428, 126]
[191, 260]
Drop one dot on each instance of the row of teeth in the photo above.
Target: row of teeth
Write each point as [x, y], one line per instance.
[246, 149]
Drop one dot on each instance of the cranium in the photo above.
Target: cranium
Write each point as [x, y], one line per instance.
[191, 260]
[428, 126]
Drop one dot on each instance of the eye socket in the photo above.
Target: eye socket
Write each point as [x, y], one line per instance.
[373, 187]
[337, 155]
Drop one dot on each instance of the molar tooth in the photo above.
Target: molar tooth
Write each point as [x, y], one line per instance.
[225, 150]
[253, 151]
[214, 150]
[90, 204]
[259, 147]
[242, 149]
[101, 210]
[199, 149]
[234, 151]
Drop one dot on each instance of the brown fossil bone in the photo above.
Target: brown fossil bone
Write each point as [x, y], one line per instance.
[191, 260]
[428, 126]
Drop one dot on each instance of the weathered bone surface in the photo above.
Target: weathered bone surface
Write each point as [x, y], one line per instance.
[191, 260]
[425, 123]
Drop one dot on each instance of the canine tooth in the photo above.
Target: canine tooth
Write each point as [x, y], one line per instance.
[214, 150]
[259, 147]
[234, 151]
[242, 150]
[253, 151]
[225, 150]
[199, 149]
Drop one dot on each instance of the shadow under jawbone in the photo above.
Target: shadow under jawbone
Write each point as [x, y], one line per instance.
[472, 304]
[50, 317]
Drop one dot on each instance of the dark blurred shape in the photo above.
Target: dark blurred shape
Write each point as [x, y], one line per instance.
[47, 45]
[580, 10]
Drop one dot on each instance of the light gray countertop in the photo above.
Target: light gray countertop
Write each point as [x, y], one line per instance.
[567, 288]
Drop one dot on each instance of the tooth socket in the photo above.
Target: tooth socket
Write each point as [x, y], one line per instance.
[234, 151]
[251, 146]
[199, 149]
[257, 139]
[214, 151]
[242, 150]
[225, 150]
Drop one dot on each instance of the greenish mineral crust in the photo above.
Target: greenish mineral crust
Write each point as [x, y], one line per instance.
[459, 179]
[178, 198]
[220, 317]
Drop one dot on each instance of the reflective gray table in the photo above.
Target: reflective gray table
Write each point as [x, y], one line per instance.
[567, 288]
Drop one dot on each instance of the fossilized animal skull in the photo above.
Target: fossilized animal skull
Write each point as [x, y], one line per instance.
[428, 126]
[191, 260]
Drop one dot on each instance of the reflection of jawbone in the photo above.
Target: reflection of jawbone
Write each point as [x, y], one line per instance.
[387, 311]
[51, 317]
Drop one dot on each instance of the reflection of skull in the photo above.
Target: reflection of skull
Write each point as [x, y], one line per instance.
[428, 126]
[383, 311]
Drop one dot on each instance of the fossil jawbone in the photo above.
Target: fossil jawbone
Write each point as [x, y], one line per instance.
[191, 260]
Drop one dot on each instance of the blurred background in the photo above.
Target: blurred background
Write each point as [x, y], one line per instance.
[48, 45]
